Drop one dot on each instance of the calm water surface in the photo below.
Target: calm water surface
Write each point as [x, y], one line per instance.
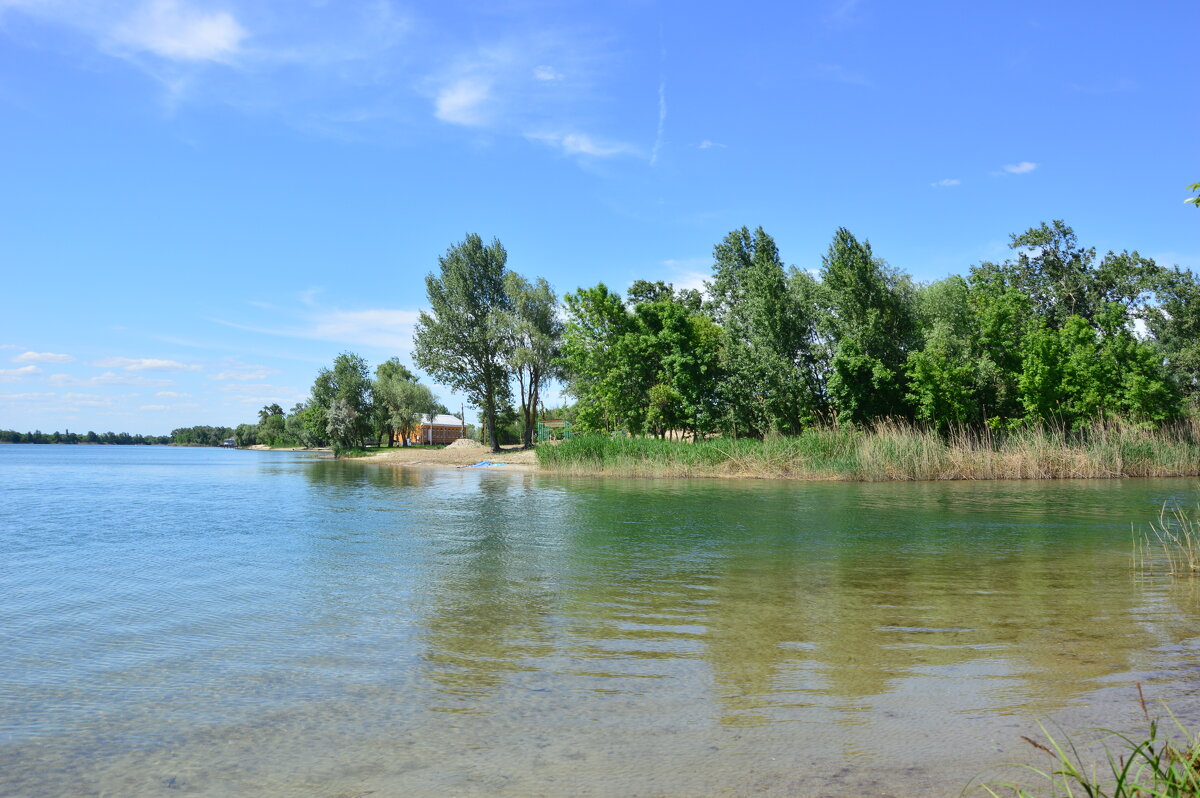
[226, 623]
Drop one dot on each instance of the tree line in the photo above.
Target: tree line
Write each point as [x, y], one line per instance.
[348, 408]
[490, 333]
[111, 438]
[1055, 335]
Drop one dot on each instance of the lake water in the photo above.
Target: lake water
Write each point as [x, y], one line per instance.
[227, 623]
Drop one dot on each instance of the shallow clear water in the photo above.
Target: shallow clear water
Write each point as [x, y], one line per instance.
[221, 623]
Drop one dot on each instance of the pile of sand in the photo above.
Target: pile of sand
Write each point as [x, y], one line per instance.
[465, 443]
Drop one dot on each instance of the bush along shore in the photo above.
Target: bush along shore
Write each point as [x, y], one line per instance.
[895, 451]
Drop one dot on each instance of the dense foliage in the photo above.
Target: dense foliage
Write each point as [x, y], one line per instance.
[1055, 336]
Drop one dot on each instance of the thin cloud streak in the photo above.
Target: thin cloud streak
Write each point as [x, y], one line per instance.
[662, 121]
[42, 357]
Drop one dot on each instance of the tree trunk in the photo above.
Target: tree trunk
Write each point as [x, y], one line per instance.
[531, 415]
[490, 400]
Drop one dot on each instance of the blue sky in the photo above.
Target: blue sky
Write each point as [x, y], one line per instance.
[203, 202]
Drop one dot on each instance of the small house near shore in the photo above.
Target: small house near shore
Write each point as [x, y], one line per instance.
[439, 428]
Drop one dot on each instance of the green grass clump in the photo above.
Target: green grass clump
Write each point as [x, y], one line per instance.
[1151, 766]
[352, 451]
[1172, 545]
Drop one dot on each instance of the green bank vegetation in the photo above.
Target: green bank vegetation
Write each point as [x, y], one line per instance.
[896, 451]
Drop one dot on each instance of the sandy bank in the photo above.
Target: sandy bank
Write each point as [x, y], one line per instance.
[454, 456]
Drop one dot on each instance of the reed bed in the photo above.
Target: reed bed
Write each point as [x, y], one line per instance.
[895, 450]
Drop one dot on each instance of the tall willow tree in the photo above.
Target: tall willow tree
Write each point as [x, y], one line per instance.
[464, 341]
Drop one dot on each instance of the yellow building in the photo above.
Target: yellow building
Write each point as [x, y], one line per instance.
[439, 428]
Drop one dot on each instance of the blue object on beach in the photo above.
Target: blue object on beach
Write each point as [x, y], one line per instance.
[486, 464]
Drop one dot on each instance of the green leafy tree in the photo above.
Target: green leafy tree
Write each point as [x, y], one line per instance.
[464, 342]
[771, 380]
[1175, 324]
[343, 422]
[348, 382]
[402, 400]
[245, 434]
[382, 413]
[271, 430]
[304, 426]
[592, 366]
[536, 339]
[872, 321]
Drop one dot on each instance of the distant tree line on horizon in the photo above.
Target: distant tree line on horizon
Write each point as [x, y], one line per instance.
[89, 437]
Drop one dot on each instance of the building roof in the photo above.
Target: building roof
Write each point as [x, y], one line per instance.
[442, 420]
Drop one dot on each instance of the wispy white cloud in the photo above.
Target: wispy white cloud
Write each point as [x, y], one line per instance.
[662, 121]
[42, 357]
[948, 182]
[174, 30]
[688, 273]
[95, 399]
[243, 372]
[143, 364]
[1024, 167]
[22, 373]
[309, 296]
[844, 12]
[582, 144]
[26, 397]
[109, 378]
[543, 72]
[10, 346]
[152, 407]
[708, 145]
[464, 101]
[172, 395]
[382, 328]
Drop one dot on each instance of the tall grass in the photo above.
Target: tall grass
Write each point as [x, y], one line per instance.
[1152, 766]
[1172, 544]
[895, 451]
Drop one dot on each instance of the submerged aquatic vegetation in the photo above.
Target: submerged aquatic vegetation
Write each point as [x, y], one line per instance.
[1155, 765]
[895, 450]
